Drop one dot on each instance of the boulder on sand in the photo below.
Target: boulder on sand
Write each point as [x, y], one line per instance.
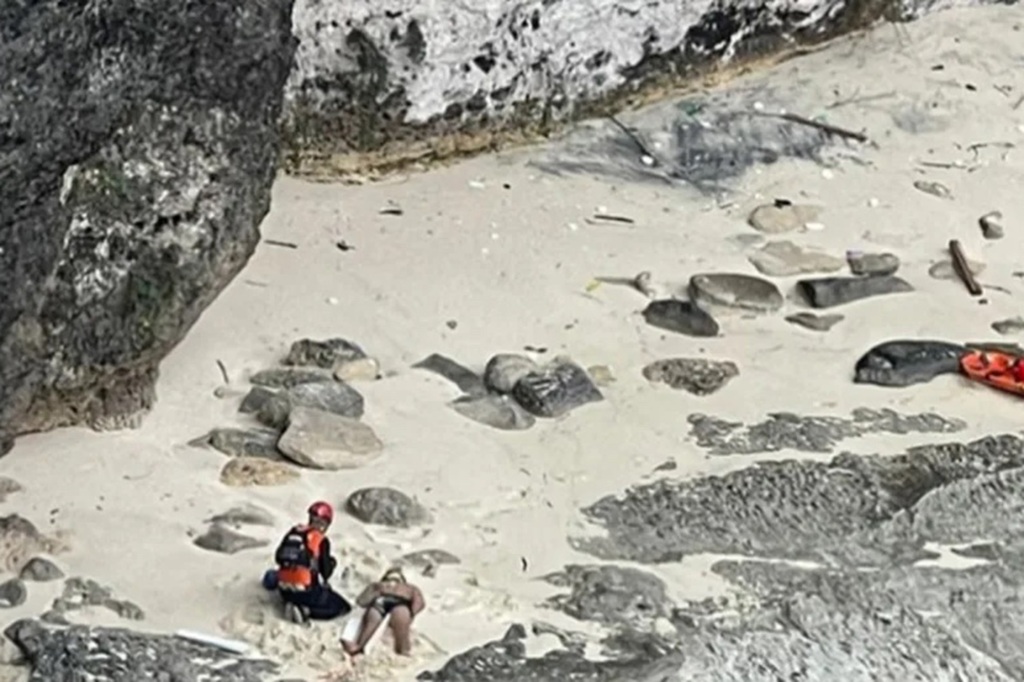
[335, 397]
[386, 507]
[906, 362]
[321, 440]
[555, 389]
[682, 317]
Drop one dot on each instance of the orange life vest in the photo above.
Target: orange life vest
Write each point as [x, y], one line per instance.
[298, 558]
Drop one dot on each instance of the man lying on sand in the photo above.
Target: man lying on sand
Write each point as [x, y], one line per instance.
[305, 565]
[391, 597]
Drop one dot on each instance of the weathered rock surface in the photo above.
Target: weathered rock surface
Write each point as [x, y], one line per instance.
[20, 540]
[326, 354]
[138, 161]
[220, 538]
[82, 592]
[386, 507]
[468, 381]
[255, 399]
[615, 595]
[13, 593]
[818, 323]
[556, 389]
[40, 569]
[8, 486]
[287, 377]
[246, 471]
[360, 369]
[906, 362]
[321, 440]
[243, 442]
[729, 290]
[505, 369]
[682, 317]
[826, 292]
[784, 258]
[786, 431]
[696, 375]
[79, 652]
[873, 264]
[497, 411]
[335, 397]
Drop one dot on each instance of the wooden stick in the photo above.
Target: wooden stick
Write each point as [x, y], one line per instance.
[962, 269]
[826, 127]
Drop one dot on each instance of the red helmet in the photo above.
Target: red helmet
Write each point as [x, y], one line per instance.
[322, 510]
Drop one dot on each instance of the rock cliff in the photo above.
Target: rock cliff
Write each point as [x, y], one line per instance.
[138, 144]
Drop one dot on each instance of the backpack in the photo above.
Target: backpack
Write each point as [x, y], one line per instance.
[294, 550]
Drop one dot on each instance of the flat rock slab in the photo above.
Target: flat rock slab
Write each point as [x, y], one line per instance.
[776, 219]
[325, 354]
[873, 264]
[813, 433]
[505, 369]
[386, 507]
[818, 323]
[247, 514]
[732, 290]
[335, 397]
[287, 377]
[682, 317]
[41, 570]
[244, 442]
[497, 411]
[615, 595]
[220, 538]
[906, 362]
[115, 654]
[248, 471]
[556, 389]
[468, 381]
[827, 292]
[784, 258]
[322, 440]
[695, 375]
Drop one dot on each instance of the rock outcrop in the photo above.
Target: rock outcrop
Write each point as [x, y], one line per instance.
[139, 144]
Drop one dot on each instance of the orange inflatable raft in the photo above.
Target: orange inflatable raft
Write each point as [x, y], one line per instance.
[996, 369]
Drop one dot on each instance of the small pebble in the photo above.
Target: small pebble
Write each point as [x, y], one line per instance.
[936, 189]
[991, 225]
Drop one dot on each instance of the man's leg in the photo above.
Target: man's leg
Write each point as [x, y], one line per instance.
[371, 621]
[401, 629]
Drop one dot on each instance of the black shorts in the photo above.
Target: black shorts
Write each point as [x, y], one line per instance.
[386, 604]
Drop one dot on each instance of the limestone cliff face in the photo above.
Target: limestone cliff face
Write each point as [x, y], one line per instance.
[384, 75]
[138, 144]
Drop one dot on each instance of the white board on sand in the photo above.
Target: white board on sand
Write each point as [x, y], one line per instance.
[232, 645]
[350, 633]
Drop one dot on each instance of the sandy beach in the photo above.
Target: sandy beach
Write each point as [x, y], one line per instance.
[504, 253]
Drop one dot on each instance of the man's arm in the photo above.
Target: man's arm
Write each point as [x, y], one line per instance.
[369, 593]
[326, 562]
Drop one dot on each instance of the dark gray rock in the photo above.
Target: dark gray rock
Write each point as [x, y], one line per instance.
[40, 569]
[335, 397]
[323, 354]
[287, 377]
[20, 540]
[906, 362]
[682, 317]
[817, 323]
[1011, 325]
[505, 369]
[13, 593]
[386, 507]
[826, 292]
[786, 431]
[8, 486]
[730, 290]
[556, 389]
[255, 399]
[498, 411]
[428, 560]
[992, 225]
[220, 538]
[139, 148]
[873, 264]
[468, 381]
[79, 653]
[696, 375]
[613, 595]
[244, 442]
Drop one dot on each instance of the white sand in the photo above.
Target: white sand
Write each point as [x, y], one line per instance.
[509, 267]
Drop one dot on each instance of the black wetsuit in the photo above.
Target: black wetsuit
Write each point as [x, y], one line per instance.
[320, 601]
